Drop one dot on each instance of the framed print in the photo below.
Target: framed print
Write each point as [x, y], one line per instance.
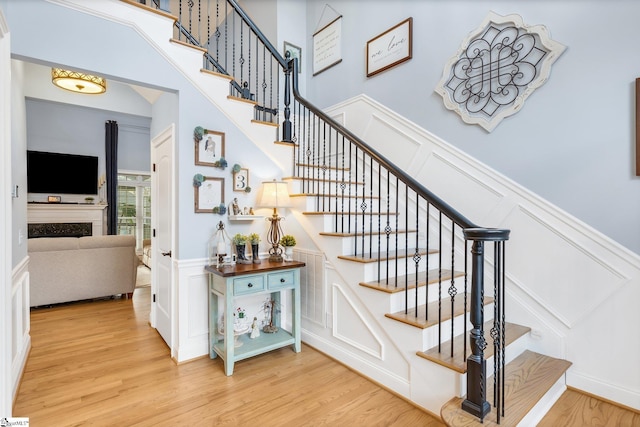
[210, 149]
[296, 52]
[241, 180]
[390, 48]
[327, 43]
[209, 195]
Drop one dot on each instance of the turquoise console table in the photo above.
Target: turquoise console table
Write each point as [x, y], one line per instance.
[230, 282]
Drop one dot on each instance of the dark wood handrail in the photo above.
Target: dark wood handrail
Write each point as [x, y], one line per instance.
[476, 232]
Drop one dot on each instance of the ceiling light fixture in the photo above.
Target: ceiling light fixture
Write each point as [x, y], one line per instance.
[78, 82]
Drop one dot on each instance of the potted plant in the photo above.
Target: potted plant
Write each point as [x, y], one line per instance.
[240, 242]
[288, 241]
[254, 239]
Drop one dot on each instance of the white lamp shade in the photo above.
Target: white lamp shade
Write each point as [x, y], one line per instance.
[275, 194]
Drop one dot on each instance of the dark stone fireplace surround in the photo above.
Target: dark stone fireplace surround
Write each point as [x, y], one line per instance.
[60, 229]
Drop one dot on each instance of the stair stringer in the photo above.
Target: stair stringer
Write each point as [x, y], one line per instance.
[157, 30]
[425, 383]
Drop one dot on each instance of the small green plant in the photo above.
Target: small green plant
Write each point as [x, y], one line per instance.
[239, 239]
[288, 240]
[254, 238]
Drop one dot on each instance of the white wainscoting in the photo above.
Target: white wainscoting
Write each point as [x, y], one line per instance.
[20, 322]
[576, 288]
[193, 310]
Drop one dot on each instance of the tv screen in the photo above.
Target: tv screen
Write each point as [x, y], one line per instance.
[58, 173]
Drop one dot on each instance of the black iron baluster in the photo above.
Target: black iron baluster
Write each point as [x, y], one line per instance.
[440, 282]
[416, 254]
[426, 297]
[387, 229]
[370, 206]
[452, 288]
[397, 235]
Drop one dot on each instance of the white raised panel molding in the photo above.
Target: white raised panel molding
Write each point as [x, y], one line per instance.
[565, 280]
[192, 321]
[20, 322]
[350, 326]
[496, 68]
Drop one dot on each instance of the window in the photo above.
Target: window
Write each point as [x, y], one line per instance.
[134, 206]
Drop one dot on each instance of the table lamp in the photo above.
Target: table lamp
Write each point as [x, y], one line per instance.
[275, 194]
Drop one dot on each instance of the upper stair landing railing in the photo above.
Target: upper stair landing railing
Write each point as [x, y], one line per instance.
[234, 46]
[390, 217]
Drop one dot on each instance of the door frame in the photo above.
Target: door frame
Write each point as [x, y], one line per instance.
[6, 356]
[166, 136]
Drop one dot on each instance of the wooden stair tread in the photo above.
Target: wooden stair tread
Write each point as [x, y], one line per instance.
[420, 321]
[286, 143]
[527, 379]
[457, 363]
[383, 256]
[398, 284]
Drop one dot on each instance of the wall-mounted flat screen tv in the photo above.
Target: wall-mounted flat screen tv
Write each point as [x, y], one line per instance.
[59, 173]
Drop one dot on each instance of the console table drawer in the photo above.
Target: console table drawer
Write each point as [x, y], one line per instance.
[281, 280]
[248, 285]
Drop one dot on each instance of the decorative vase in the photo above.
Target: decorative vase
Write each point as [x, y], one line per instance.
[288, 252]
[254, 251]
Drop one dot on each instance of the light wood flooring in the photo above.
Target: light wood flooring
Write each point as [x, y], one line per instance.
[99, 363]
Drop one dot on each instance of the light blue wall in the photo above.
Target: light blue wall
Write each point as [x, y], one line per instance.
[126, 56]
[572, 142]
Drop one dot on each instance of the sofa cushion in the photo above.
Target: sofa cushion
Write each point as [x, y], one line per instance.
[95, 242]
[46, 244]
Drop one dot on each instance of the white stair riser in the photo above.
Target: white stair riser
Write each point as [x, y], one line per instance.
[318, 186]
[430, 336]
[397, 300]
[345, 204]
[329, 173]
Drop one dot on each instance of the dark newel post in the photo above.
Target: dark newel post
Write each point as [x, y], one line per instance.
[476, 402]
[286, 125]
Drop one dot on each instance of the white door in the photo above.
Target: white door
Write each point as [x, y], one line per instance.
[162, 232]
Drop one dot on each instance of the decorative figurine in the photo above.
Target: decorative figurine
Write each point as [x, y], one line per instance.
[255, 330]
[235, 207]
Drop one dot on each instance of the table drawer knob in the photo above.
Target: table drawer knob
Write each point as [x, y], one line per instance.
[250, 285]
[282, 280]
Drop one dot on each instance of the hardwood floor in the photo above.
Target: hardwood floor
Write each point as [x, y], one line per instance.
[99, 363]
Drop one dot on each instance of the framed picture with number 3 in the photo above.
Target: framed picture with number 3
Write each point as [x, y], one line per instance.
[241, 180]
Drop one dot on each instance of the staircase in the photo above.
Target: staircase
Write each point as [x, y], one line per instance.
[533, 381]
[404, 251]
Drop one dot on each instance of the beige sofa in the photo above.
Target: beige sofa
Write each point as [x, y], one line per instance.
[63, 269]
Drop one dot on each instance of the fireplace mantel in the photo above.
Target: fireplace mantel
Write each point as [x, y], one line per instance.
[43, 213]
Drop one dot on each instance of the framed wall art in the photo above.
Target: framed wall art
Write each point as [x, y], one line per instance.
[241, 180]
[390, 48]
[209, 194]
[209, 148]
[296, 53]
[526, 54]
[327, 46]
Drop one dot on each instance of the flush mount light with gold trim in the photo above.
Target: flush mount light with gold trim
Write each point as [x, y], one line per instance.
[78, 82]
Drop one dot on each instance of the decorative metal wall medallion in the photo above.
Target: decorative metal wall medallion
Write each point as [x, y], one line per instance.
[496, 68]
